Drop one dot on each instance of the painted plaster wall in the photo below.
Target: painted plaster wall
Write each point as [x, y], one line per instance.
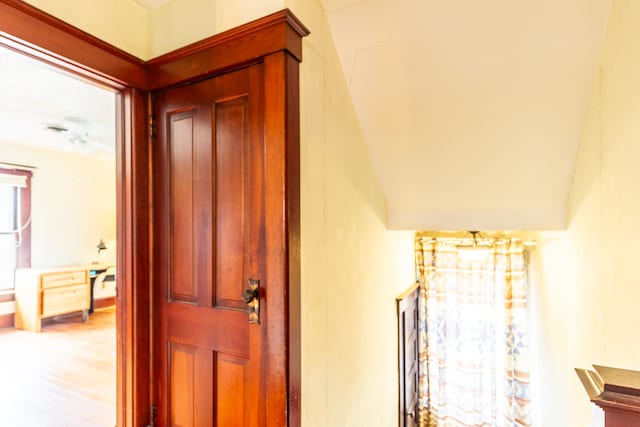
[181, 22]
[147, 34]
[123, 23]
[352, 266]
[591, 296]
[551, 373]
[73, 205]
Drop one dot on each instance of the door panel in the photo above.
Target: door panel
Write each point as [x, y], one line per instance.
[408, 356]
[231, 181]
[230, 373]
[183, 378]
[210, 217]
[181, 142]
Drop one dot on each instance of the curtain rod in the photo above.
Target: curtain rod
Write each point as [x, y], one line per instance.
[459, 237]
[16, 166]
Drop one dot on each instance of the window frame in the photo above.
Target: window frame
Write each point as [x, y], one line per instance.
[23, 252]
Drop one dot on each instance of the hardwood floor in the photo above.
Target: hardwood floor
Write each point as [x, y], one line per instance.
[64, 376]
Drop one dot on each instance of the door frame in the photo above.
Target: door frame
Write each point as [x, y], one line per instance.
[34, 33]
[276, 41]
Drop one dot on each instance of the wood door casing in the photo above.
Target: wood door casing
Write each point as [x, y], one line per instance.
[211, 159]
[408, 356]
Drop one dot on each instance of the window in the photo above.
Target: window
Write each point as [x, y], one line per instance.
[15, 224]
[473, 345]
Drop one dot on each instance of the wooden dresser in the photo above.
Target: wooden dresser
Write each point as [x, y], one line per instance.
[41, 293]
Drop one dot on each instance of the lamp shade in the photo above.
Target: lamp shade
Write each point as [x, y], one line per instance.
[101, 246]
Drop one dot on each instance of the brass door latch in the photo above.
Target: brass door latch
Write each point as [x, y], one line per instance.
[251, 296]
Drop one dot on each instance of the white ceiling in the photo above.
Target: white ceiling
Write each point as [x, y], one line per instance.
[34, 97]
[472, 111]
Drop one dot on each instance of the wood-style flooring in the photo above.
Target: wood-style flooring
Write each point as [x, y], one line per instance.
[64, 376]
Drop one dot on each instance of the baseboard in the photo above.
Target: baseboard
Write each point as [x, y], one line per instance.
[7, 296]
[104, 302]
[6, 320]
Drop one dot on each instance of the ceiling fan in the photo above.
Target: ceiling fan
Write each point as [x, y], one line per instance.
[75, 133]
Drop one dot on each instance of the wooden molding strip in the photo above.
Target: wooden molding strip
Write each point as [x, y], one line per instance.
[29, 30]
[6, 320]
[104, 302]
[7, 296]
[229, 49]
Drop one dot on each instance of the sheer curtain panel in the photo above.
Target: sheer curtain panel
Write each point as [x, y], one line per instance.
[473, 335]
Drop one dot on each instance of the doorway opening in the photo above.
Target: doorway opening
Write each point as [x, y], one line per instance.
[58, 232]
[36, 34]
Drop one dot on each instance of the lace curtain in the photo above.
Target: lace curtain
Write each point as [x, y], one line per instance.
[473, 337]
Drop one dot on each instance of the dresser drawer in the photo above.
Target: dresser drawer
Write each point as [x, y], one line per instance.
[65, 300]
[54, 280]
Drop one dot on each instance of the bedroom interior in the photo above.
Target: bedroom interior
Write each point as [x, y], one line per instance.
[358, 251]
[57, 295]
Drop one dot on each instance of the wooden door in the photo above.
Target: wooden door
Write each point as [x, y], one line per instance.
[210, 218]
[408, 356]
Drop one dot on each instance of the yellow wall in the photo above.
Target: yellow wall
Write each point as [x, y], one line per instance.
[551, 371]
[181, 22]
[147, 34]
[604, 209]
[352, 266]
[73, 205]
[123, 23]
[591, 275]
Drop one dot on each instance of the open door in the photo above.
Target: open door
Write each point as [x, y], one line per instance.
[226, 232]
[408, 356]
[211, 252]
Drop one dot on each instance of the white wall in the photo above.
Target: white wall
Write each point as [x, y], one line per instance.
[73, 205]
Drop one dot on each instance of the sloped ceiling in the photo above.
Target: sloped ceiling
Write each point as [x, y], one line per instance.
[472, 111]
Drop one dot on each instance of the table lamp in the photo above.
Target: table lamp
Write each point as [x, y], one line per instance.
[101, 247]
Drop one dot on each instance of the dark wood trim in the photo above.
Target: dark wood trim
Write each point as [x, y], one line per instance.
[7, 297]
[31, 31]
[292, 107]
[104, 302]
[279, 350]
[406, 305]
[23, 252]
[6, 320]
[132, 302]
[230, 49]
